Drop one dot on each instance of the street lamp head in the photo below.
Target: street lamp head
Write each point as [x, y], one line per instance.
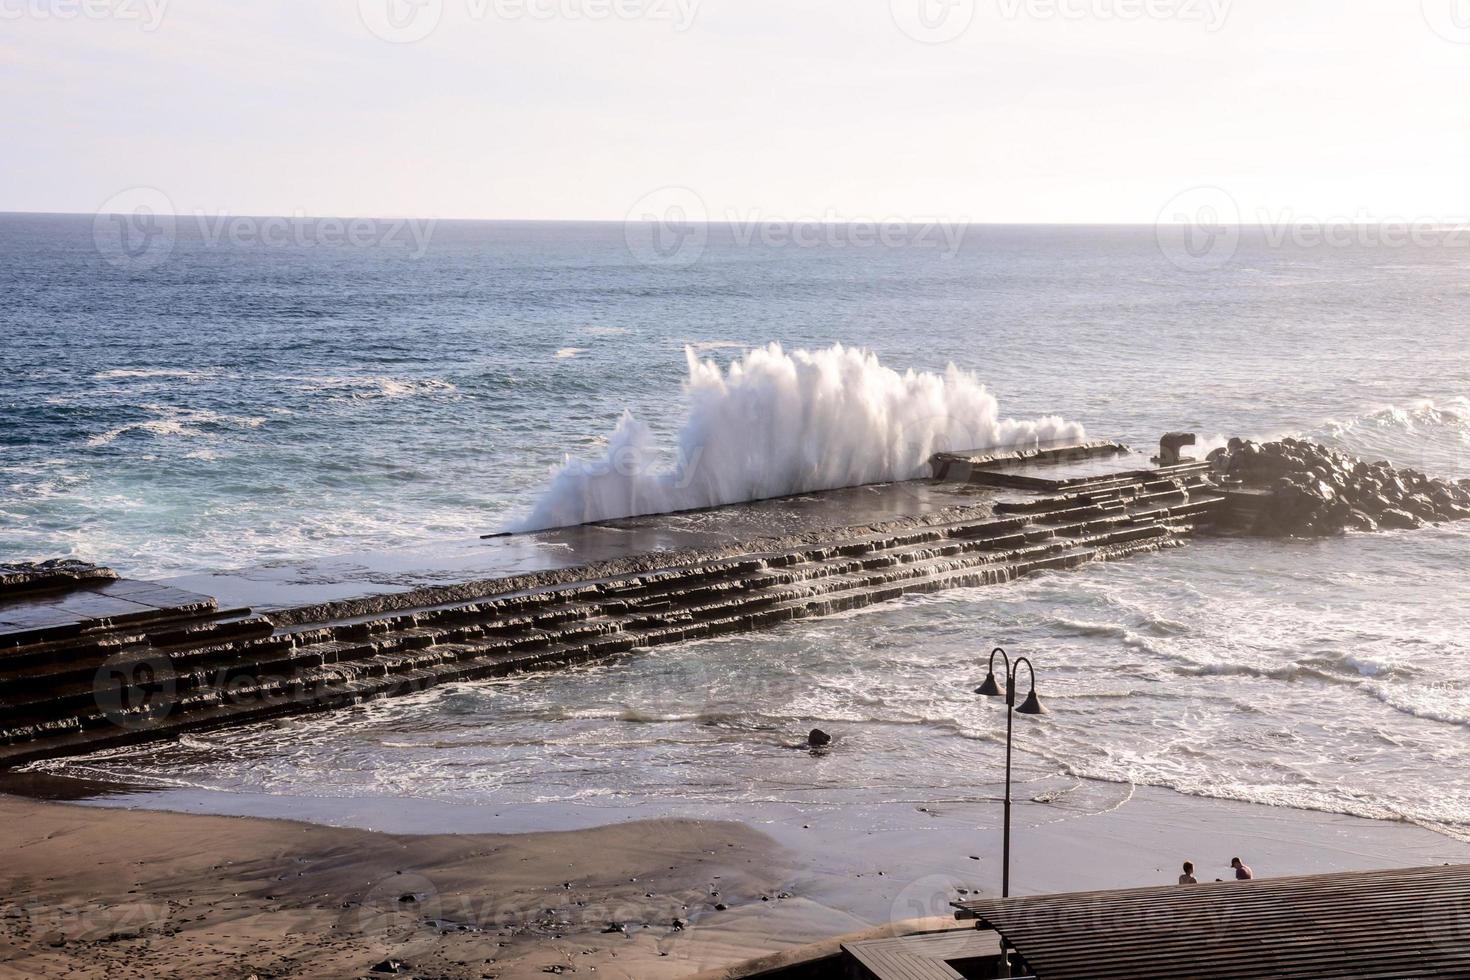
[989, 689]
[1032, 705]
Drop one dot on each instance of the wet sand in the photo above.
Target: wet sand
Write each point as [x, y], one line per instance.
[88, 891]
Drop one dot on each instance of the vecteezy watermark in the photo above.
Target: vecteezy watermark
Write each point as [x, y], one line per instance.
[1450, 19]
[301, 231]
[147, 13]
[135, 690]
[1202, 228]
[407, 21]
[1446, 922]
[672, 227]
[136, 229]
[933, 21]
[667, 227]
[939, 21]
[1210, 13]
[1362, 230]
[835, 230]
[401, 21]
[1199, 229]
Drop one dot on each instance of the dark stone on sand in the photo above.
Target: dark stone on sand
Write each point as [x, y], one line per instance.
[678, 925]
[817, 738]
[617, 927]
[720, 906]
[391, 966]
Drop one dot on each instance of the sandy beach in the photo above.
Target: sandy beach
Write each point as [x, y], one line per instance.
[90, 891]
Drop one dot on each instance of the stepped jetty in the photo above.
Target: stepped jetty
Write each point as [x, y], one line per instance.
[91, 661]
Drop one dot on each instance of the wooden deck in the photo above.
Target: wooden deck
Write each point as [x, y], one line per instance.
[918, 957]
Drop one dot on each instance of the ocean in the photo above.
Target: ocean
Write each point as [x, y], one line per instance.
[243, 398]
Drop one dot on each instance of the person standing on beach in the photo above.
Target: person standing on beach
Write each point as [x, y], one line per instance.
[1242, 870]
[1188, 877]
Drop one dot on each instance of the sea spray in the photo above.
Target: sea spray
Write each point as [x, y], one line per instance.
[775, 424]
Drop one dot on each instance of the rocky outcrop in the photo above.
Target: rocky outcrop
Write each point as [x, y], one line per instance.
[1310, 490]
[58, 573]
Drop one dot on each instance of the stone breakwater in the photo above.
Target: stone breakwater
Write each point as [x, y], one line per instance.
[148, 664]
[89, 662]
[1305, 489]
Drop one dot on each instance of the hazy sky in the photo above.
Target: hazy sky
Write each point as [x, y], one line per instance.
[984, 110]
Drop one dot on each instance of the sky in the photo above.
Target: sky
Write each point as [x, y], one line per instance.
[844, 110]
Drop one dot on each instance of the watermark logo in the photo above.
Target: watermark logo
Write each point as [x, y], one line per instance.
[136, 229]
[1212, 14]
[148, 14]
[667, 227]
[933, 21]
[135, 691]
[834, 230]
[401, 911]
[1362, 230]
[672, 227]
[1447, 925]
[401, 21]
[1450, 19]
[929, 897]
[408, 21]
[1199, 229]
[300, 231]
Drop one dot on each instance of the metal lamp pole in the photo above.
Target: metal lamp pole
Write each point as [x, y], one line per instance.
[1030, 706]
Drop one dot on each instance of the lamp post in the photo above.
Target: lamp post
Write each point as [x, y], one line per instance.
[1030, 706]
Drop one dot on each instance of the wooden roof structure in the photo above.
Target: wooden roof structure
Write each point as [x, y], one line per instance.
[1374, 925]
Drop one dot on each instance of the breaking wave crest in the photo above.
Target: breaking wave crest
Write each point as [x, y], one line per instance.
[1433, 437]
[776, 424]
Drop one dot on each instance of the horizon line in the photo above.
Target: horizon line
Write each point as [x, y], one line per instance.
[1306, 219]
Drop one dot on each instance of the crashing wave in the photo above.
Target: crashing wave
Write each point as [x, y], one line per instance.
[776, 424]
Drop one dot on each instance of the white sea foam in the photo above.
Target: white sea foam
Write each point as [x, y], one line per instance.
[776, 424]
[362, 387]
[119, 373]
[1430, 436]
[176, 422]
[567, 352]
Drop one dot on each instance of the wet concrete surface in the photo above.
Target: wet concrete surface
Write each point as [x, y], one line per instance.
[292, 584]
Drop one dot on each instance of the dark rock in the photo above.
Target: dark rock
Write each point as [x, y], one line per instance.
[1399, 519]
[58, 573]
[391, 966]
[617, 927]
[1316, 491]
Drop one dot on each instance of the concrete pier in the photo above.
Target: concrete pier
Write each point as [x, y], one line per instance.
[229, 649]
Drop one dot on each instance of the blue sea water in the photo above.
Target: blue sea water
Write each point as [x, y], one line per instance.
[242, 400]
